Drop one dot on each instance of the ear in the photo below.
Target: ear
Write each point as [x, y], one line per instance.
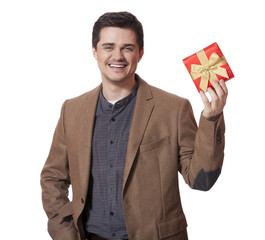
[141, 55]
[95, 54]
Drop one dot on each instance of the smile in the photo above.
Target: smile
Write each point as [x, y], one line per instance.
[117, 65]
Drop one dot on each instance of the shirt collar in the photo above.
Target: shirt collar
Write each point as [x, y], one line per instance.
[119, 104]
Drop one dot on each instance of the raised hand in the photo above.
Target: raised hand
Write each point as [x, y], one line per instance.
[214, 108]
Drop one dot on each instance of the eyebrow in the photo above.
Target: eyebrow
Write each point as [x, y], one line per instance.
[129, 45]
[104, 44]
[112, 44]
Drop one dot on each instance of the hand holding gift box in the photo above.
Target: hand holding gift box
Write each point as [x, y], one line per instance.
[208, 65]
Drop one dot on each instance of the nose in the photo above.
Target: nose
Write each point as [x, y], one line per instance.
[117, 55]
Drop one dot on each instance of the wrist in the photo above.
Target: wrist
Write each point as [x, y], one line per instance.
[211, 118]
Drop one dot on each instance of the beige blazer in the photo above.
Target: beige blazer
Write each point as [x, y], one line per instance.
[163, 140]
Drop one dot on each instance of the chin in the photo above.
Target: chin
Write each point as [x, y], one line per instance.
[117, 79]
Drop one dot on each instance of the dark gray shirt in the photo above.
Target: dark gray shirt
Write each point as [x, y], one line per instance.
[111, 131]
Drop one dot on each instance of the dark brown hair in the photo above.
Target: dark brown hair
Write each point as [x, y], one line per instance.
[121, 20]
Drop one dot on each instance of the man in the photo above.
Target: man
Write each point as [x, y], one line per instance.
[121, 146]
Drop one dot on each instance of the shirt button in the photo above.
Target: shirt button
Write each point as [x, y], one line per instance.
[110, 106]
[113, 119]
[111, 142]
[111, 213]
[111, 166]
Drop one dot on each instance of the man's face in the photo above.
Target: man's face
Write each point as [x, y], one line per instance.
[117, 54]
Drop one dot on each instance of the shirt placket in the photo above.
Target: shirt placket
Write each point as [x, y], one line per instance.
[111, 153]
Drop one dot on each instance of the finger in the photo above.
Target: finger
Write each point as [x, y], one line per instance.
[224, 87]
[205, 99]
[218, 89]
[213, 94]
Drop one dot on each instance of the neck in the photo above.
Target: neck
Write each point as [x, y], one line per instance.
[115, 91]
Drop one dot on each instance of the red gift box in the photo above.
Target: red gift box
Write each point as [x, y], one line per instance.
[208, 65]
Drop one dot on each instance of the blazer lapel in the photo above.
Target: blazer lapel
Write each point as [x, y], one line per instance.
[87, 118]
[142, 112]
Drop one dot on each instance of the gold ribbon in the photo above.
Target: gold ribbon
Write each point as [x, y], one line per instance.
[208, 69]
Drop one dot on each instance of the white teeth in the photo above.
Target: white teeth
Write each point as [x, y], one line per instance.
[117, 66]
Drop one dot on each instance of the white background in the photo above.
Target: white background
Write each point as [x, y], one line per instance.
[45, 58]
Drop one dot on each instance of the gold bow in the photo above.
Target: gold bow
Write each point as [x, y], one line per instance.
[208, 69]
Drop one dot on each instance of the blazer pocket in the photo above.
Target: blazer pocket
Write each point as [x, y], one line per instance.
[68, 233]
[61, 221]
[153, 145]
[172, 226]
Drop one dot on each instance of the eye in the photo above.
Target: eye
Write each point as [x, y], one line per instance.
[108, 48]
[128, 49]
